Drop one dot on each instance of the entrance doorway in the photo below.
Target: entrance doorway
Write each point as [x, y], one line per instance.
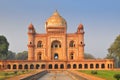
[56, 56]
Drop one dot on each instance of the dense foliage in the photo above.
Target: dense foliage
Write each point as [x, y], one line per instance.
[114, 50]
[9, 55]
[117, 76]
[22, 55]
[4, 45]
[93, 72]
[19, 56]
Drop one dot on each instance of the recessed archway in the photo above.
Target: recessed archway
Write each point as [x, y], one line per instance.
[80, 66]
[91, 66]
[61, 66]
[39, 56]
[31, 66]
[74, 66]
[102, 65]
[85, 66]
[56, 44]
[50, 66]
[14, 66]
[43, 66]
[97, 65]
[56, 56]
[71, 55]
[68, 66]
[0, 66]
[56, 66]
[8, 66]
[20, 66]
[37, 66]
[25, 66]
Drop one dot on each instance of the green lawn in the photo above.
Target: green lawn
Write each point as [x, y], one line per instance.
[108, 75]
[7, 74]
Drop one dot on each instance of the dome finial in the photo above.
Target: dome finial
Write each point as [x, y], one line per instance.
[56, 13]
[56, 10]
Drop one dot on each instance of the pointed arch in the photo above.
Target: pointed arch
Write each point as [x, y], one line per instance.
[8, 66]
[71, 55]
[14, 66]
[61, 66]
[85, 66]
[97, 65]
[102, 66]
[68, 66]
[43, 66]
[39, 56]
[39, 44]
[50, 66]
[72, 43]
[0, 66]
[20, 66]
[26, 66]
[31, 66]
[74, 66]
[56, 66]
[80, 66]
[37, 66]
[91, 66]
[56, 44]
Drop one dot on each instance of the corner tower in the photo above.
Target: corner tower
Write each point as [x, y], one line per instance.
[31, 42]
[80, 33]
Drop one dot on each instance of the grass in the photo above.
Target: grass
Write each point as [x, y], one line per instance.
[7, 74]
[108, 75]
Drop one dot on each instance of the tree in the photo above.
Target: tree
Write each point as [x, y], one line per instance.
[117, 76]
[88, 56]
[11, 55]
[22, 55]
[3, 47]
[114, 49]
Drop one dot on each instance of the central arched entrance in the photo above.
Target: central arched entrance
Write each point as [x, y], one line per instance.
[56, 50]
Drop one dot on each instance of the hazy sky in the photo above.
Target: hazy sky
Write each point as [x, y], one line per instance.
[101, 20]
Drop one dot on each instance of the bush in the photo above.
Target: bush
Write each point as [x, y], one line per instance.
[23, 71]
[15, 72]
[27, 70]
[5, 74]
[117, 76]
[93, 72]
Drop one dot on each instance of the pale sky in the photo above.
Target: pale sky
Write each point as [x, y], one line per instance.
[101, 20]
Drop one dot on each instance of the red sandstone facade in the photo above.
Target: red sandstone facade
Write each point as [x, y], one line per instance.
[56, 49]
